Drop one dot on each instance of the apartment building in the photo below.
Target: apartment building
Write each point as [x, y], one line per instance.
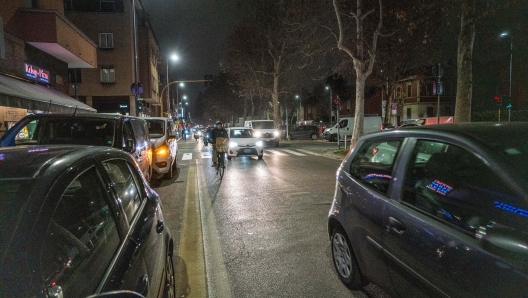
[107, 87]
[38, 47]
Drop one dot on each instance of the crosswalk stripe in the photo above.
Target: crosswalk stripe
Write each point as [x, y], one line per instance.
[293, 152]
[187, 156]
[275, 152]
[308, 152]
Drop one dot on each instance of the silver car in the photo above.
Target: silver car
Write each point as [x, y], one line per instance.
[164, 146]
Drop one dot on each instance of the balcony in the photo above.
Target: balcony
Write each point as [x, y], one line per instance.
[54, 34]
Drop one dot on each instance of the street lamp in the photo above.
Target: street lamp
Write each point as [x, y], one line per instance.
[330, 89]
[300, 108]
[181, 84]
[174, 58]
[504, 34]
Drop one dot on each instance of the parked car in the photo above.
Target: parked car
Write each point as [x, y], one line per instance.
[118, 131]
[438, 211]
[243, 142]
[265, 130]
[79, 220]
[387, 126]
[164, 146]
[407, 121]
[305, 132]
[346, 127]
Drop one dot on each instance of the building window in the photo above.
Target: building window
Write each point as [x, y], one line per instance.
[74, 75]
[107, 74]
[106, 40]
[430, 111]
[430, 89]
[107, 6]
[398, 93]
[409, 113]
[409, 90]
[68, 5]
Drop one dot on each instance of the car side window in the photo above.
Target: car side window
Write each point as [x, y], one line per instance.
[81, 240]
[27, 135]
[458, 188]
[124, 186]
[128, 133]
[139, 131]
[372, 164]
[343, 123]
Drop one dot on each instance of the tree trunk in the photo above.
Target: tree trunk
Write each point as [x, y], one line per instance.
[252, 106]
[464, 62]
[275, 97]
[360, 105]
[387, 107]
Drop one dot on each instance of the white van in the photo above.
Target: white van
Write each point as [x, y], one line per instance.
[346, 127]
[265, 130]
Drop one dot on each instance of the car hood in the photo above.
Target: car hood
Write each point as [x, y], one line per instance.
[242, 142]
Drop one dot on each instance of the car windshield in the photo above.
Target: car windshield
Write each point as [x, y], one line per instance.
[156, 128]
[241, 133]
[263, 125]
[13, 198]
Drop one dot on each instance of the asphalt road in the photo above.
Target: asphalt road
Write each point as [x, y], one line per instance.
[261, 230]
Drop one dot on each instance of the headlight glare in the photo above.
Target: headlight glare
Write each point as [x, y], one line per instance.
[232, 144]
[259, 144]
[258, 134]
[276, 133]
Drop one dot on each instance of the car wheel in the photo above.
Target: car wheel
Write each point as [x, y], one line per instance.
[170, 282]
[314, 136]
[260, 157]
[228, 157]
[345, 261]
[333, 138]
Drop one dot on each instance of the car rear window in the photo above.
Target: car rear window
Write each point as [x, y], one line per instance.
[79, 131]
[13, 197]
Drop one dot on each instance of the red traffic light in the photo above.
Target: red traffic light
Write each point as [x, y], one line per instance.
[336, 102]
[497, 98]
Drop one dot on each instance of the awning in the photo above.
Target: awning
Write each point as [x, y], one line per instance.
[19, 94]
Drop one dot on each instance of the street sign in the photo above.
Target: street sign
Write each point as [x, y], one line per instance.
[509, 106]
[394, 106]
[136, 89]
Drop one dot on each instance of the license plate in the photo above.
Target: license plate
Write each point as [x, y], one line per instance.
[247, 150]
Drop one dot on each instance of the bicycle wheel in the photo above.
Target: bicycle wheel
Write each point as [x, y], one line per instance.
[221, 165]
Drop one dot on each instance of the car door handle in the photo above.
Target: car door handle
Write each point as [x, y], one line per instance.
[396, 226]
[159, 226]
[143, 285]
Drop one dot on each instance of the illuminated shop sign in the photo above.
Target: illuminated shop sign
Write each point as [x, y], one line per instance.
[36, 73]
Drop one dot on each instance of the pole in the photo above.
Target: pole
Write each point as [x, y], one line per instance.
[168, 92]
[330, 119]
[136, 74]
[511, 66]
[178, 101]
[287, 136]
[337, 123]
[438, 101]
[300, 111]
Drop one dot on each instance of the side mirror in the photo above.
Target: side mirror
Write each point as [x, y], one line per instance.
[118, 294]
[505, 243]
[129, 146]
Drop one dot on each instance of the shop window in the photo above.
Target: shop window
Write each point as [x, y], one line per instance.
[106, 40]
[107, 74]
[107, 6]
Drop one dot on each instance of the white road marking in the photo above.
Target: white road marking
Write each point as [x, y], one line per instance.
[308, 152]
[206, 155]
[275, 152]
[293, 152]
[187, 156]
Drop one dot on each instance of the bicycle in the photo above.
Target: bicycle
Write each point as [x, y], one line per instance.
[220, 164]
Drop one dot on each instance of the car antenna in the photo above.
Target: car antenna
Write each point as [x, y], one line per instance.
[75, 111]
[49, 107]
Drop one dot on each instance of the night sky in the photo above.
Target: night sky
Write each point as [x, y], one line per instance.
[195, 30]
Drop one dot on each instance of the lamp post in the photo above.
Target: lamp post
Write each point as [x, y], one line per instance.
[178, 103]
[300, 108]
[504, 34]
[173, 57]
[330, 119]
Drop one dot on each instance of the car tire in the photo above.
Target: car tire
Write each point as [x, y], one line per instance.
[228, 157]
[314, 136]
[260, 157]
[333, 138]
[170, 282]
[345, 261]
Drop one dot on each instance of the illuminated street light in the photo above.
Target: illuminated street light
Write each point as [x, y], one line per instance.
[175, 57]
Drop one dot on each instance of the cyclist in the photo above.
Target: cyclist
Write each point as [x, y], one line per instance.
[217, 132]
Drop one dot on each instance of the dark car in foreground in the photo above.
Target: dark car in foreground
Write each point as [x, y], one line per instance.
[77, 221]
[437, 211]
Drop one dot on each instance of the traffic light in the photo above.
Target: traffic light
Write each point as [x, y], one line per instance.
[290, 112]
[335, 103]
[497, 99]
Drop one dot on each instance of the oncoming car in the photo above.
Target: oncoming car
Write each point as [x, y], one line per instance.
[243, 142]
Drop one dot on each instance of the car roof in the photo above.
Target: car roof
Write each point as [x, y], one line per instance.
[156, 118]
[26, 162]
[96, 116]
[239, 127]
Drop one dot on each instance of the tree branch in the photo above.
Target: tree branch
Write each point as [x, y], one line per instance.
[340, 44]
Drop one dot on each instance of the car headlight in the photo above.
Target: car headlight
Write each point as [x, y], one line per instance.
[232, 144]
[162, 150]
[276, 133]
[259, 144]
[258, 134]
